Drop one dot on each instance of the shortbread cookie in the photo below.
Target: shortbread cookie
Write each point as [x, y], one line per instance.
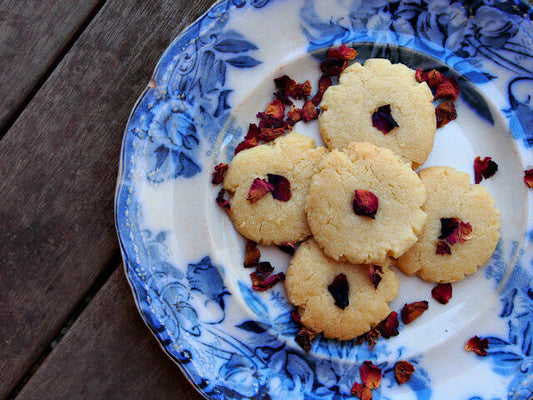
[268, 220]
[337, 228]
[450, 195]
[348, 108]
[308, 277]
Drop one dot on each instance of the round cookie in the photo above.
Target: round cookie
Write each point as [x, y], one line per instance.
[270, 221]
[450, 195]
[347, 110]
[358, 238]
[308, 277]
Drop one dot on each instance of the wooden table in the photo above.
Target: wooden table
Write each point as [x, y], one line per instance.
[70, 72]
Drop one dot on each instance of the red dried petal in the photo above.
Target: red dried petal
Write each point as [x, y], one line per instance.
[258, 190]
[361, 391]
[389, 326]
[447, 226]
[342, 53]
[283, 82]
[445, 112]
[382, 119]
[443, 248]
[300, 90]
[269, 282]
[419, 75]
[403, 371]
[484, 168]
[323, 83]
[442, 292]
[333, 66]
[375, 278]
[269, 134]
[276, 110]
[253, 132]
[251, 254]
[222, 202]
[477, 345]
[288, 247]
[309, 111]
[261, 273]
[449, 89]
[340, 290]
[294, 115]
[246, 144]
[434, 78]
[412, 311]
[304, 339]
[370, 375]
[295, 316]
[281, 187]
[218, 173]
[365, 203]
[528, 178]
[370, 337]
[461, 234]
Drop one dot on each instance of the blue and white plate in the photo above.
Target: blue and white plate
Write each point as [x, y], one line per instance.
[183, 257]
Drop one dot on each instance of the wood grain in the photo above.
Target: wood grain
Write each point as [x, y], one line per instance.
[109, 354]
[33, 34]
[58, 165]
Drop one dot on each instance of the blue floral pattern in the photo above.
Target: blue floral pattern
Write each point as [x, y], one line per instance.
[188, 305]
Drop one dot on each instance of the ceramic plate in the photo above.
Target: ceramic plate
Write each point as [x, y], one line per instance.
[183, 257]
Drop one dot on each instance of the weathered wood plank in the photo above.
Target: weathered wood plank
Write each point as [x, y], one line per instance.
[33, 33]
[109, 354]
[58, 165]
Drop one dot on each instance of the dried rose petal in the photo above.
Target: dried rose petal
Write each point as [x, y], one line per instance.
[295, 316]
[281, 187]
[288, 247]
[389, 326]
[258, 190]
[370, 375]
[222, 202]
[370, 337]
[412, 311]
[342, 53]
[283, 82]
[262, 271]
[276, 109]
[445, 112]
[340, 289]
[382, 119]
[461, 234]
[528, 178]
[448, 89]
[269, 134]
[309, 111]
[443, 248]
[442, 292]
[269, 282]
[365, 203]
[477, 345]
[433, 78]
[447, 226]
[333, 66]
[361, 391]
[218, 173]
[246, 144]
[403, 371]
[304, 339]
[300, 90]
[323, 83]
[375, 278]
[294, 115]
[419, 75]
[251, 254]
[484, 168]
